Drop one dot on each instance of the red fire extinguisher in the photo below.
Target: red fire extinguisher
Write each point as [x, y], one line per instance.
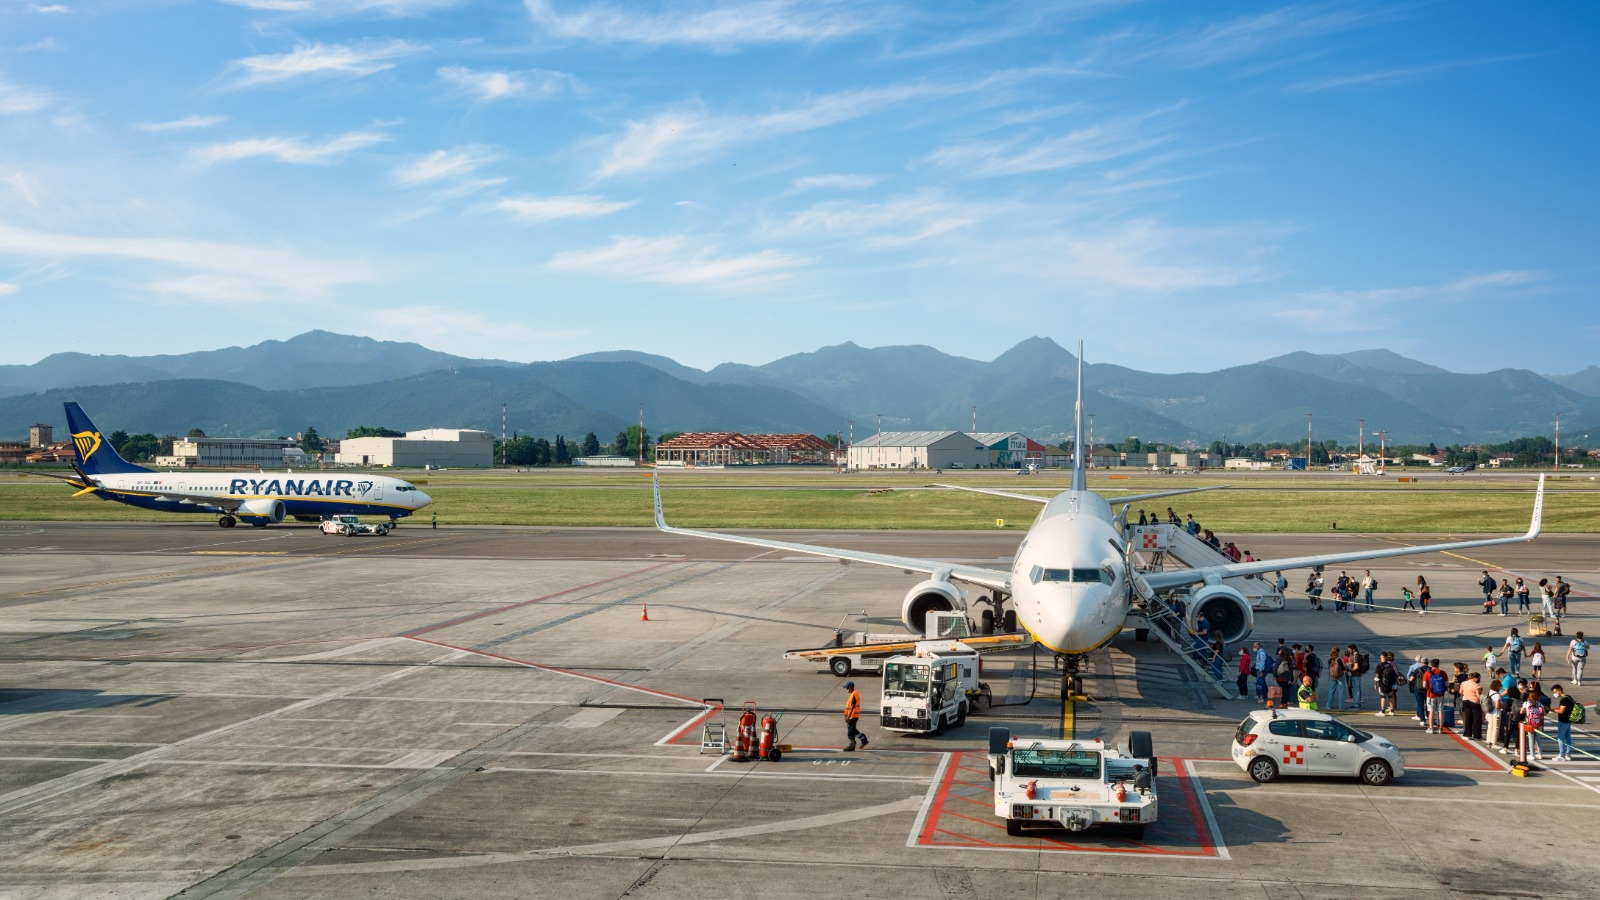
[769, 738]
[745, 741]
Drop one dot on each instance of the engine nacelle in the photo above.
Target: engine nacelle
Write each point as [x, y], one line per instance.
[1226, 610]
[263, 508]
[930, 596]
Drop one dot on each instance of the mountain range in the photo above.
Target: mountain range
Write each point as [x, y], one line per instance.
[335, 382]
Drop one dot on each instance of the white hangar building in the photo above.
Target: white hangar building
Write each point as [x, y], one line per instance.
[444, 448]
[919, 449]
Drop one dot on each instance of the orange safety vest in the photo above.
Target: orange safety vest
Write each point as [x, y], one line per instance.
[852, 706]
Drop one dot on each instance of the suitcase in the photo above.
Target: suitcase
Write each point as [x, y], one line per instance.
[1449, 717]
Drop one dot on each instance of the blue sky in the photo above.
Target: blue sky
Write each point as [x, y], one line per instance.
[1187, 186]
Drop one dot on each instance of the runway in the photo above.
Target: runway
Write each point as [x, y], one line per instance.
[483, 712]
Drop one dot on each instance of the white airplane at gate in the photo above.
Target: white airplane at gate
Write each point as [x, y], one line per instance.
[1071, 584]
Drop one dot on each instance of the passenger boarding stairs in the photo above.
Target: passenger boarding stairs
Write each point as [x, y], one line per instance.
[1155, 548]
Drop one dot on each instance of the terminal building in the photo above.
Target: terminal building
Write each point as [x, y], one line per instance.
[226, 453]
[441, 448]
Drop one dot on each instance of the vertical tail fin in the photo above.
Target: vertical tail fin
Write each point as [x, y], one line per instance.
[1080, 452]
[96, 456]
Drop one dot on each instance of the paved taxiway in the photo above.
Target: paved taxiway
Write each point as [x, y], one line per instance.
[481, 712]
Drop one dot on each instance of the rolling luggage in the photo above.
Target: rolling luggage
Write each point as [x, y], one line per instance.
[1450, 717]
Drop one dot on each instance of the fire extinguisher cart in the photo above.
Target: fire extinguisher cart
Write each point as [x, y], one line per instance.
[755, 736]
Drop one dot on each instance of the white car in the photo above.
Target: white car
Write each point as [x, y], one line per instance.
[1274, 742]
[350, 526]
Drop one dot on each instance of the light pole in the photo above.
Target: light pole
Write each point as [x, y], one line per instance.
[1557, 466]
[1308, 443]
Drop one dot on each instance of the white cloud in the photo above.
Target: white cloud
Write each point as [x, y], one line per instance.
[675, 260]
[396, 8]
[841, 182]
[1505, 278]
[446, 165]
[356, 60]
[1390, 76]
[893, 223]
[51, 9]
[548, 209]
[488, 85]
[1254, 35]
[1085, 146]
[683, 136]
[288, 150]
[7, 288]
[184, 123]
[469, 331]
[18, 183]
[217, 270]
[16, 98]
[720, 26]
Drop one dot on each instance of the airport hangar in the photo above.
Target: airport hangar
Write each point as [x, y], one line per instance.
[440, 448]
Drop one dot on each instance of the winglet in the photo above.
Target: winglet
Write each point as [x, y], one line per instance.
[655, 486]
[1538, 511]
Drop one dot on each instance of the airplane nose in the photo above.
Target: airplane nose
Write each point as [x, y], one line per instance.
[422, 500]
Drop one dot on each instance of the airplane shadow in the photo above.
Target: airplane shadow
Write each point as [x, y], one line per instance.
[21, 701]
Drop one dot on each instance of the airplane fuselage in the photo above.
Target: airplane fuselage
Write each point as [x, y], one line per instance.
[301, 494]
[1069, 578]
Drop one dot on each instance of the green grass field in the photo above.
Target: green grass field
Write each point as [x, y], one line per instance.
[903, 501]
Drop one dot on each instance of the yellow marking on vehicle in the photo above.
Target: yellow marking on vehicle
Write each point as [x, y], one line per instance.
[1069, 705]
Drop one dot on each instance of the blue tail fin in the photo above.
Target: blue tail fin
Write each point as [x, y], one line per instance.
[96, 456]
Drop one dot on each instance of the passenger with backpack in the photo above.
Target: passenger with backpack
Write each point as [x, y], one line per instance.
[1505, 596]
[1522, 597]
[1533, 710]
[1577, 654]
[1336, 681]
[1438, 689]
[1419, 690]
[1355, 666]
[1313, 666]
[1386, 679]
[1513, 651]
[1487, 584]
[1564, 706]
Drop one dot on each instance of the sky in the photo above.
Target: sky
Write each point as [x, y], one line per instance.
[1185, 186]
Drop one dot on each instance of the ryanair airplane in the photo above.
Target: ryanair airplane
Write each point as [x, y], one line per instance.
[260, 498]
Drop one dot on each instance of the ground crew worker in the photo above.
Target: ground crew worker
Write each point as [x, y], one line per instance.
[1307, 695]
[852, 715]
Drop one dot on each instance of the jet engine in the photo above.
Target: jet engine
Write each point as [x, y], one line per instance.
[1226, 610]
[265, 508]
[932, 595]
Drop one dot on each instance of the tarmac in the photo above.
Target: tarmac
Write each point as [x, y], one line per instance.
[486, 712]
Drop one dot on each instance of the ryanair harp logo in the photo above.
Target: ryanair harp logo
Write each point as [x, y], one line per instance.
[88, 442]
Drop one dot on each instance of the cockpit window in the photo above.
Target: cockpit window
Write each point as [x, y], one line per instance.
[406, 487]
[1078, 576]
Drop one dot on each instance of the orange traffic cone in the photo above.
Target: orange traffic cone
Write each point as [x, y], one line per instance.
[644, 612]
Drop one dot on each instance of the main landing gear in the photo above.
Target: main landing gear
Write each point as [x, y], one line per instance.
[998, 615]
[226, 521]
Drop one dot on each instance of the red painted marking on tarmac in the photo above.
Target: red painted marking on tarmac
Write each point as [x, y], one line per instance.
[934, 834]
[1490, 763]
[461, 620]
[557, 670]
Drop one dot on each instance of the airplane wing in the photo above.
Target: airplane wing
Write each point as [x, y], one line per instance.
[1131, 498]
[989, 578]
[1136, 498]
[1181, 577]
[1007, 494]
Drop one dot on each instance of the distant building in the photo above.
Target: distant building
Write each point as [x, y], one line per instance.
[1278, 455]
[1007, 449]
[919, 449]
[443, 448]
[225, 453]
[13, 452]
[1246, 463]
[40, 435]
[730, 448]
